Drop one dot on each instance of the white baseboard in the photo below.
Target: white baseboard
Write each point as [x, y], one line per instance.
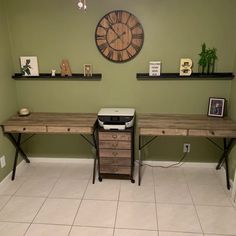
[234, 189]
[90, 161]
[186, 164]
[60, 160]
[10, 174]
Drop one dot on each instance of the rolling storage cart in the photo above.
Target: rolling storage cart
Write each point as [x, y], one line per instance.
[116, 143]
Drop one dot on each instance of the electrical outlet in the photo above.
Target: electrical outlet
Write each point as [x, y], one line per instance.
[186, 147]
[3, 161]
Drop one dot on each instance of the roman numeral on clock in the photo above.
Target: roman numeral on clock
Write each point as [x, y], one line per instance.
[137, 36]
[135, 26]
[103, 46]
[119, 56]
[110, 21]
[128, 53]
[100, 37]
[110, 54]
[118, 16]
[103, 27]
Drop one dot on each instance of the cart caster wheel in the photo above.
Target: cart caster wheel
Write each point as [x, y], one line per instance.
[100, 179]
[132, 181]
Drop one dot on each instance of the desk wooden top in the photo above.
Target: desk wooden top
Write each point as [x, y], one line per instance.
[185, 125]
[51, 123]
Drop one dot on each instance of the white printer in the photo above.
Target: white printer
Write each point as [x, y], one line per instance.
[116, 118]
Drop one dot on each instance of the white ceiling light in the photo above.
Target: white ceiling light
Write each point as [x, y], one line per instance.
[82, 5]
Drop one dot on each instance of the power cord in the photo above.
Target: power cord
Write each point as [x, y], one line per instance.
[177, 164]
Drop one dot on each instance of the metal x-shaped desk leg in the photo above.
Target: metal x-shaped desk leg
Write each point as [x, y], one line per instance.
[16, 143]
[224, 159]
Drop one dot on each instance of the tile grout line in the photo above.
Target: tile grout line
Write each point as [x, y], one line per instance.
[155, 200]
[223, 187]
[188, 185]
[118, 202]
[82, 198]
[195, 208]
[46, 198]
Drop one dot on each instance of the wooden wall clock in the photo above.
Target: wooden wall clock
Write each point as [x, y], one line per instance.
[119, 36]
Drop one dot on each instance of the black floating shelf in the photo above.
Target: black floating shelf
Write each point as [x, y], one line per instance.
[58, 77]
[194, 76]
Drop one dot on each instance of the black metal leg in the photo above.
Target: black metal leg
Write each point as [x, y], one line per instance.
[140, 159]
[94, 169]
[132, 157]
[95, 158]
[224, 159]
[220, 162]
[16, 157]
[227, 173]
[15, 143]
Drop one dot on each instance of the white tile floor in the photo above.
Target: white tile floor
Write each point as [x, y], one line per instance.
[59, 199]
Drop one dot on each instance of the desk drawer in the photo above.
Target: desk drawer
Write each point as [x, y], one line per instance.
[213, 133]
[108, 169]
[114, 144]
[163, 132]
[115, 136]
[114, 153]
[65, 130]
[25, 129]
[115, 161]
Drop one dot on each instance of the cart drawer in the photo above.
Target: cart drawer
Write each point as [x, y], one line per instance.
[108, 169]
[114, 144]
[114, 153]
[115, 161]
[114, 136]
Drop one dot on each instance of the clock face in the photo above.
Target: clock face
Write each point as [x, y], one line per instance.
[119, 36]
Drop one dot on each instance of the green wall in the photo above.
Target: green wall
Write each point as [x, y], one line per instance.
[53, 30]
[7, 90]
[233, 115]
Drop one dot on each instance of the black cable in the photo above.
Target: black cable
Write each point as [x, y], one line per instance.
[177, 164]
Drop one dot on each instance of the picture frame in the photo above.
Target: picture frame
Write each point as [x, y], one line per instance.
[29, 66]
[216, 107]
[154, 68]
[88, 71]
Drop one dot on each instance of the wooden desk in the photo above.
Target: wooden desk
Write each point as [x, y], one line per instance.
[188, 125]
[50, 123]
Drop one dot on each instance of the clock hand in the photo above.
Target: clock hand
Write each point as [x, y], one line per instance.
[121, 36]
[111, 27]
[112, 41]
[118, 37]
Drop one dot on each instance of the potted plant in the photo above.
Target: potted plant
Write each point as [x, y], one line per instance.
[203, 58]
[207, 59]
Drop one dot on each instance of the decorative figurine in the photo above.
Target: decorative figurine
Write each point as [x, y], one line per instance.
[65, 68]
[53, 73]
[87, 70]
[186, 65]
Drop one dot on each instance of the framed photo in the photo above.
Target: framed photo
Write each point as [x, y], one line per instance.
[154, 68]
[88, 70]
[216, 107]
[29, 66]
